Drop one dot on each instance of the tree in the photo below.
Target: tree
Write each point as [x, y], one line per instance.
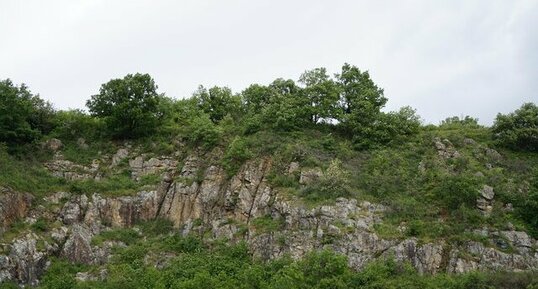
[129, 106]
[361, 101]
[288, 109]
[518, 130]
[256, 97]
[24, 117]
[395, 126]
[322, 94]
[455, 121]
[217, 102]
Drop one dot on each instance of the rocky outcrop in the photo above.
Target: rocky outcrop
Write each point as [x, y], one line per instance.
[68, 170]
[25, 263]
[445, 148]
[141, 167]
[201, 199]
[484, 202]
[13, 206]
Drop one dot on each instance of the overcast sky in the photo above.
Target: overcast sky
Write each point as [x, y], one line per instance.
[443, 58]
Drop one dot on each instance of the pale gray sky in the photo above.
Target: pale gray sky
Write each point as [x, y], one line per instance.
[443, 58]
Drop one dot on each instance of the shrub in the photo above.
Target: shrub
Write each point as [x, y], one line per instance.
[334, 183]
[457, 122]
[236, 154]
[518, 130]
[40, 225]
[71, 125]
[456, 190]
[204, 132]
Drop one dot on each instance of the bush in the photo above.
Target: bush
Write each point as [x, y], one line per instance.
[456, 122]
[518, 130]
[204, 132]
[457, 190]
[334, 183]
[235, 156]
[71, 125]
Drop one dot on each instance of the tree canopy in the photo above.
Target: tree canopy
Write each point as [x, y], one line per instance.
[129, 106]
[24, 117]
[518, 129]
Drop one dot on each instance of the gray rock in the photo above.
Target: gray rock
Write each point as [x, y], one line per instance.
[54, 144]
[487, 192]
[26, 263]
[293, 167]
[119, 156]
[77, 248]
[309, 176]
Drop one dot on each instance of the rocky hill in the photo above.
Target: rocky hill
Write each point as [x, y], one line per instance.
[286, 185]
[194, 192]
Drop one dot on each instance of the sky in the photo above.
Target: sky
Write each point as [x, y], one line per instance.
[443, 58]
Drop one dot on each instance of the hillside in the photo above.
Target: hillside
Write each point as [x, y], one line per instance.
[310, 186]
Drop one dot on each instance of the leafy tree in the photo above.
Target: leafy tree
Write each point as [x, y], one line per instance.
[322, 94]
[235, 156]
[129, 106]
[457, 190]
[519, 129]
[73, 124]
[256, 97]
[217, 102]
[466, 121]
[204, 132]
[24, 117]
[395, 126]
[288, 110]
[361, 101]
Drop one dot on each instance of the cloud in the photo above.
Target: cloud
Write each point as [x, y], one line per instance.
[442, 57]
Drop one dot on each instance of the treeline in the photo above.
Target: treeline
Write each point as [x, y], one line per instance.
[349, 103]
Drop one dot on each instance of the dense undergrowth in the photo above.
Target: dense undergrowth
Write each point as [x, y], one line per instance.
[187, 262]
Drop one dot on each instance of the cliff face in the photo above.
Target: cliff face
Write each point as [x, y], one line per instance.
[200, 199]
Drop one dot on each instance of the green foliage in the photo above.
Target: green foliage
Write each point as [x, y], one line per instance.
[24, 117]
[457, 190]
[231, 267]
[395, 127]
[129, 106]
[256, 97]
[236, 154]
[519, 129]
[322, 93]
[457, 122]
[26, 175]
[267, 224]
[334, 183]
[288, 110]
[204, 132]
[125, 235]
[361, 103]
[60, 275]
[218, 102]
[156, 227]
[40, 225]
[70, 125]
[528, 210]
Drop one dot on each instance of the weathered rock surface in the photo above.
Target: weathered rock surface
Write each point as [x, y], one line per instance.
[68, 170]
[13, 206]
[484, 202]
[199, 198]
